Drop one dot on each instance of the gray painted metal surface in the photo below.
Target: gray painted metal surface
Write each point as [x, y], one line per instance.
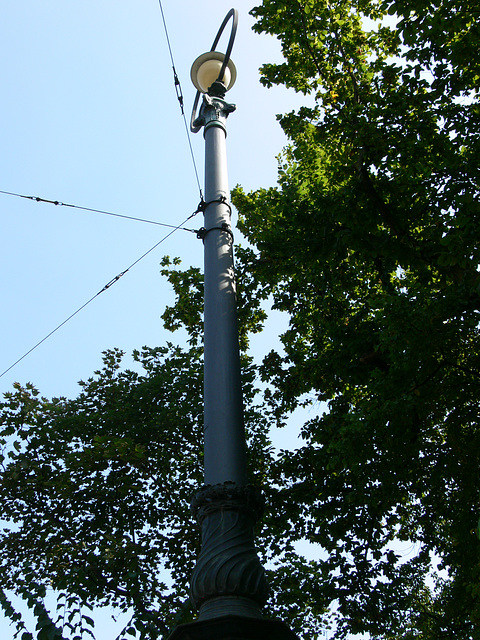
[225, 457]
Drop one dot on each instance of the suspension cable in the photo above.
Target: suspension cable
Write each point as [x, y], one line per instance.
[178, 89]
[57, 203]
[107, 286]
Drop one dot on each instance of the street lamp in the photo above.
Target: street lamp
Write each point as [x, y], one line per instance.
[207, 69]
[228, 585]
[223, 407]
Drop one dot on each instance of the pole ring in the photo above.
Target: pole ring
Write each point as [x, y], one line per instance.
[233, 13]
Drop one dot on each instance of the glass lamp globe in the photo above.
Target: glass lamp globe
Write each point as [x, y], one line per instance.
[206, 69]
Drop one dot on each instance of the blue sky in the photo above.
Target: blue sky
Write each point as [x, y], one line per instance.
[89, 117]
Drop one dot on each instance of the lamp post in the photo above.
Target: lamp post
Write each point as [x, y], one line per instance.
[224, 448]
[228, 585]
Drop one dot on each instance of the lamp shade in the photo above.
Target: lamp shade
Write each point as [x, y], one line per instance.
[207, 68]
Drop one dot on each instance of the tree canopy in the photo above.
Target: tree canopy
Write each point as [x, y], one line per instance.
[369, 243]
[95, 490]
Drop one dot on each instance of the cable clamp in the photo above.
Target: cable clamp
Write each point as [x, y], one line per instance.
[201, 205]
[202, 232]
[222, 200]
[112, 281]
[178, 89]
[37, 199]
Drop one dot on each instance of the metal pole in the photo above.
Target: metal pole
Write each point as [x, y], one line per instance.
[228, 584]
[228, 578]
[224, 446]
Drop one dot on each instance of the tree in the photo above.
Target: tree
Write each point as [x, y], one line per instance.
[370, 243]
[95, 491]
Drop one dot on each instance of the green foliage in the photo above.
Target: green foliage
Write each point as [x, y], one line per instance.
[370, 243]
[95, 490]
[187, 285]
[95, 493]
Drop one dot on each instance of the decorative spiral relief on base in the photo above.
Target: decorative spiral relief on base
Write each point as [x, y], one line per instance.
[228, 564]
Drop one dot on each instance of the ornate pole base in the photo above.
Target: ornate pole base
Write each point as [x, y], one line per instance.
[233, 628]
[228, 578]
[228, 584]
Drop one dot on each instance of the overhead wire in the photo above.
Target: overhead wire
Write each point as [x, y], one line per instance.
[174, 228]
[178, 89]
[57, 203]
[107, 286]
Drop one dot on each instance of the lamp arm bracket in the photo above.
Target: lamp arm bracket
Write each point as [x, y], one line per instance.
[213, 109]
[197, 123]
[233, 13]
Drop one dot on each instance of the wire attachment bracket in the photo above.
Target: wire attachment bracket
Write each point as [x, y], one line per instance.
[221, 200]
[203, 232]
